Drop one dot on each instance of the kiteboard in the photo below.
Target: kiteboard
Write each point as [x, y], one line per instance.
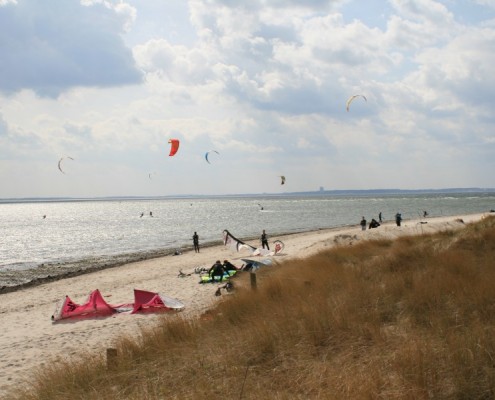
[208, 279]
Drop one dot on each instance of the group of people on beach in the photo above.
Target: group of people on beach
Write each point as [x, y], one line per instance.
[375, 224]
[219, 270]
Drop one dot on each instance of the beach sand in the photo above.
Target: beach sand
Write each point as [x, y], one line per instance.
[29, 339]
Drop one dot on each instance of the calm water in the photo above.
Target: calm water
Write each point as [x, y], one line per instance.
[92, 232]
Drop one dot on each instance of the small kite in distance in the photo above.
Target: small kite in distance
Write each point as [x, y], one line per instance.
[174, 146]
[282, 178]
[207, 153]
[60, 163]
[351, 99]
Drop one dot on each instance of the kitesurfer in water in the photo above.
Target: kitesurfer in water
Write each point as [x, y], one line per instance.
[264, 240]
[196, 242]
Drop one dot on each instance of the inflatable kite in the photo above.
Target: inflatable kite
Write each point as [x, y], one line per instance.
[96, 306]
[174, 146]
[207, 153]
[235, 244]
[60, 163]
[351, 99]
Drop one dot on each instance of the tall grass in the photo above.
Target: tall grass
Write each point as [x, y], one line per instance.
[412, 318]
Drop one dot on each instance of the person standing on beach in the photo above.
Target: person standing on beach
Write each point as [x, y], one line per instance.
[380, 216]
[264, 240]
[363, 224]
[398, 219]
[196, 242]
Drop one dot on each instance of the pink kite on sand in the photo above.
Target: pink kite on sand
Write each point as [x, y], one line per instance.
[96, 306]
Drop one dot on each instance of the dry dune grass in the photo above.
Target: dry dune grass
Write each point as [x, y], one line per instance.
[411, 318]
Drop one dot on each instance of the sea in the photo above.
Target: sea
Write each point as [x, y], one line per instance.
[48, 239]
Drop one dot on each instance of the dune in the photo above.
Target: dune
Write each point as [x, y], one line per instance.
[30, 340]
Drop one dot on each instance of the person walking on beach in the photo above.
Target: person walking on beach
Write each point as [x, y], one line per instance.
[196, 242]
[380, 216]
[398, 219]
[363, 224]
[264, 240]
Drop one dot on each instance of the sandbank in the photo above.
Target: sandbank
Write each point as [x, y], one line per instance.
[29, 338]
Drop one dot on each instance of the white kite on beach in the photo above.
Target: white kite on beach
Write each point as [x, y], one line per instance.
[235, 244]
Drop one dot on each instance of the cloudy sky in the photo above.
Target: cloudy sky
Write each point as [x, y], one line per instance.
[262, 82]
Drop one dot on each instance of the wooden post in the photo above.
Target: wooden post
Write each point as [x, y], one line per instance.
[111, 358]
[253, 280]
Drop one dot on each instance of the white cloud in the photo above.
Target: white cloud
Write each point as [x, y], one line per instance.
[52, 49]
[265, 84]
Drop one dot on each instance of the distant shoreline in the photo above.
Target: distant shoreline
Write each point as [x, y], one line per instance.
[342, 192]
[55, 271]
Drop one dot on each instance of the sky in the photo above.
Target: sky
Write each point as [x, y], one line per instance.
[262, 85]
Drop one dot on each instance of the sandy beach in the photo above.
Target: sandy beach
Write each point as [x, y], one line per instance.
[29, 338]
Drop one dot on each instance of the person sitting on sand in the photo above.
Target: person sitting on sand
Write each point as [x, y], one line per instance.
[228, 266]
[216, 269]
[374, 224]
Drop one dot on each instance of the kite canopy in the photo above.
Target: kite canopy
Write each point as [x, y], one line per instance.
[207, 153]
[149, 302]
[96, 306]
[235, 244]
[60, 163]
[174, 146]
[351, 99]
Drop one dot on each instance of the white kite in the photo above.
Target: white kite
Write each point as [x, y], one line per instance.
[60, 163]
[351, 99]
[235, 244]
[208, 153]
